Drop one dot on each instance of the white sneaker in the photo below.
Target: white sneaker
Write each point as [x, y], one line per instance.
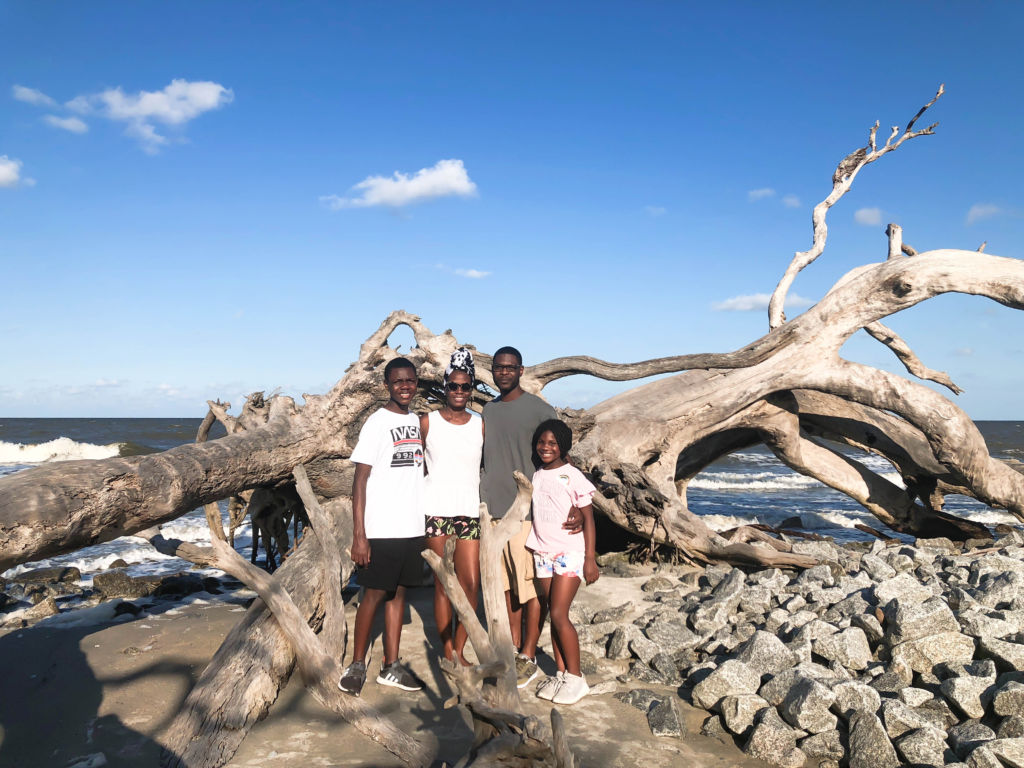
[572, 689]
[548, 687]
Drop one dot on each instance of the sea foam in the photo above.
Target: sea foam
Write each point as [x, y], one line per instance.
[61, 449]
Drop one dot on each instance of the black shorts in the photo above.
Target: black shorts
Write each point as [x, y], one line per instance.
[393, 563]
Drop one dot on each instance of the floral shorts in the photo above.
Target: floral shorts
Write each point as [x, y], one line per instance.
[461, 527]
[562, 563]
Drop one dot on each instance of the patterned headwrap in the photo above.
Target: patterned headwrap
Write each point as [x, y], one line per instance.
[462, 360]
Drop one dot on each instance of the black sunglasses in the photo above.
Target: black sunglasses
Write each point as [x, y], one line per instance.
[454, 386]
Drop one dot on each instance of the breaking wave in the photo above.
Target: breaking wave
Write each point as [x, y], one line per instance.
[61, 449]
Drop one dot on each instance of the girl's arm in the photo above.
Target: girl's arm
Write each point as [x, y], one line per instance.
[591, 573]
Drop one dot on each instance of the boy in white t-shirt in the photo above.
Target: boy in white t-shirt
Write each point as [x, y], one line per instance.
[387, 535]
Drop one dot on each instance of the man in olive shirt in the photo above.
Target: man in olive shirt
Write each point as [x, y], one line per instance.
[509, 423]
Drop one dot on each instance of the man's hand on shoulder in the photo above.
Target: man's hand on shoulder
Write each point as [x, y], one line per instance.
[574, 522]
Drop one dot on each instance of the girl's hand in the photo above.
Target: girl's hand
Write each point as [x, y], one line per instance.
[591, 572]
[573, 521]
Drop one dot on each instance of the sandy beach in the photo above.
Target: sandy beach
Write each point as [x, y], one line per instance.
[84, 690]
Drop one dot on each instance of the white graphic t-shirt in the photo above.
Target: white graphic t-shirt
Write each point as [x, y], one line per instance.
[390, 443]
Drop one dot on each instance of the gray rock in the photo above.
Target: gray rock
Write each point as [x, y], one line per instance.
[588, 662]
[980, 668]
[119, 584]
[756, 598]
[671, 634]
[900, 719]
[795, 603]
[869, 745]
[665, 666]
[658, 583]
[807, 705]
[738, 712]
[982, 757]
[643, 648]
[618, 646]
[731, 678]
[923, 654]
[914, 697]
[713, 728]
[925, 746]
[766, 654]
[904, 587]
[998, 589]
[871, 626]
[55, 574]
[940, 543]
[777, 686]
[876, 568]
[776, 619]
[713, 575]
[967, 694]
[592, 634]
[641, 698]
[823, 746]
[1007, 656]
[640, 671]
[663, 718]
[854, 604]
[772, 578]
[966, 737]
[41, 610]
[911, 621]
[1011, 727]
[617, 613]
[853, 696]
[1009, 699]
[849, 648]
[818, 574]
[978, 624]
[724, 599]
[774, 742]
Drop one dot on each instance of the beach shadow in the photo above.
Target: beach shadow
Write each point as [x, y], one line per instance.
[50, 713]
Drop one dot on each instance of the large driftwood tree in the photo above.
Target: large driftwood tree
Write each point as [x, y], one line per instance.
[790, 390]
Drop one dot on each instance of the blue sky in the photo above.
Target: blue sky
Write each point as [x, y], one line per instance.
[199, 200]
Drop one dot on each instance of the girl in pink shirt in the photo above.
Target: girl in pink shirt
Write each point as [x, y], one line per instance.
[562, 559]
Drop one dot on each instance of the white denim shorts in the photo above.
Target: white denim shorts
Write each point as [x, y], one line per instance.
[547, 564]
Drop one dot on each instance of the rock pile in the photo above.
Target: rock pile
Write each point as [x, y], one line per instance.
[36, 594]
[883, 655]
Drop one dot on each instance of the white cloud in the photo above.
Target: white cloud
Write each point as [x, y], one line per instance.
[473, 274]
[446, 179]
[791, 201]
[10, 171]
[655, 211]
[760, 194]
[868, 217]
[981, 211]
[964, 352]
[175, 105]
[72, 124]
[28, 181]
[755, 302]
[32, 96]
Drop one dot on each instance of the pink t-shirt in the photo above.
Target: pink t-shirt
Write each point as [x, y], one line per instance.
[554, 492]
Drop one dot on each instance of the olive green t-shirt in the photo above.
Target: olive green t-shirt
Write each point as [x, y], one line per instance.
[508, 434]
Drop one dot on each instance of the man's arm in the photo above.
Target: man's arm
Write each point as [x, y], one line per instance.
[360, 544]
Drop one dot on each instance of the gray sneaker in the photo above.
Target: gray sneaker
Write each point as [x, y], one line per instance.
[397, 675]
[353, 677]
[526, 670]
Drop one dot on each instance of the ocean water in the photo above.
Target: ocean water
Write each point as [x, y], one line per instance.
[747, 486]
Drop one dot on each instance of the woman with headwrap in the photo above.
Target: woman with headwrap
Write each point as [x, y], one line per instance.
[453, 441]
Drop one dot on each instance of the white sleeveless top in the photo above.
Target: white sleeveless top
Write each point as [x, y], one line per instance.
[453, 466]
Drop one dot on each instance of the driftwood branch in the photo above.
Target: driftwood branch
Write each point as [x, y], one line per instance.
[842, 180]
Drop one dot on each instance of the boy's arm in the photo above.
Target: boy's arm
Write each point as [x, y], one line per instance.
[360, 544]
[591, 573]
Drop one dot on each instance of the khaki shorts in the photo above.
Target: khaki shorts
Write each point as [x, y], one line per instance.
[518, 570]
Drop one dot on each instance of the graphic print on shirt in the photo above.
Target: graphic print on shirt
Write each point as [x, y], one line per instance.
[407, 448]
